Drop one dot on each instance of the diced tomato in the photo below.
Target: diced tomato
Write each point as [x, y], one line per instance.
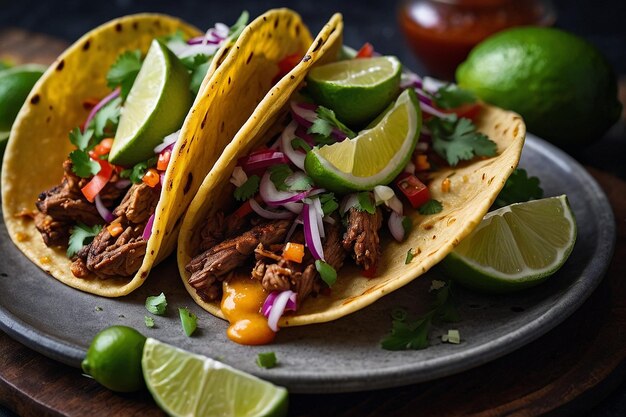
[151, 178]
[366, 51]
[413, 189]
[164, 160]
[369, 272]
[293, 252]
[104, 147]
[286, 64]
[97, 183]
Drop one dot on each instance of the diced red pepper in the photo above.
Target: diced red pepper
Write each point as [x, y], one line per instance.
[413, 189]
[164, 160]
[104, 147]
[286, 64]
[97, 183]
[469, 111]
[366, 51]
[244, 210]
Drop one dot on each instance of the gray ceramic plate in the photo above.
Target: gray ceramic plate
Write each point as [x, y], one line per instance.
[344, 355]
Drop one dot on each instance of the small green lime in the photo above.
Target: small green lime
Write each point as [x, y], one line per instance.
[186, 384]
[15, 84]
[114, 359]
[515, 247]
[561, 84]
[357, 90]
[376, 156]
[155, 107]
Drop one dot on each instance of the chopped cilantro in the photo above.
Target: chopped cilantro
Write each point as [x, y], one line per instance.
[329, 203]
[198, 65]
[149, 321]
[457, 140]
[156, 304]
[81, 140]
[278, 175]
[431, 207]
[519, 187]
[413, 334]
[326, 121]
[238, 27]
[135, 174]
[266, 360]
[105, 122]
[83, 165]
[124, 71]
[248, 188]
[365, 203]
[81, 235]
[299, 182]
[451, 96]
[188, 320]
[327, 272]
[299, 143]
[176, 37]
[409, 256]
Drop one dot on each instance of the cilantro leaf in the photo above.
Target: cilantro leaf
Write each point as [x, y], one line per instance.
[149, 321]
[456, 139]
[266, 360]
[431, 207]
[365, 203]
[83, 165]
[81, 140]
[409, 256]
[124, 71]
[176, 37]
[248, 188]
[105, 122]
[326, 121]
[299, 182]
[136, 173]
[156, 304]
[188, 320]
[299, 143]
[519, 187]
[451, 96]
[278, 175]
[329, 203]
[198, 65]
[238, 27]
[327, 272]
[81, 235]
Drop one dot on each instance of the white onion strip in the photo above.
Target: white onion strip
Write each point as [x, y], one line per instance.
[285, 144]
[267, 213]
[395, 226]
[273, 197]
[102, 210]
[167, 141]
[311, 232]
[319, 214]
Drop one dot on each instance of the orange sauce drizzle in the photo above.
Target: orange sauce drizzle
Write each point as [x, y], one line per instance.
[241, 304]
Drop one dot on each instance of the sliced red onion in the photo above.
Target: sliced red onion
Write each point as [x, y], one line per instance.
[122, 183]
[311, 232]
[296, 157]
[432, 84]
[294, 207]
[316, 191]
[261, 160]
[348, 202]
[395, 226]
[319, 214]
[273, 197]
[431, 110]
[167, 142]
[269, 301]
[201, 48]
[410, 79]
[102, 210]
[329, 220]
[239, 177]
[162, 178]
[284, 301]
[267, 213]
[147, 231]
[302, 133]
[113, 95]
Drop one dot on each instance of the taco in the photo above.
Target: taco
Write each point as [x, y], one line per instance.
[118, 208]
[299, 249]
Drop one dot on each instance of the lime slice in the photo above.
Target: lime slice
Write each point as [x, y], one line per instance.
[185, 384]
[155, 107]
[376, 156]
[357, 89]
[515, 247]
[15, 84]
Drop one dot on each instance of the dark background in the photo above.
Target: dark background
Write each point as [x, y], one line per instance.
[601, 22]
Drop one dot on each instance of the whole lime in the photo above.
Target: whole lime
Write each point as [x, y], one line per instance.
[561, 85]
[15, 84]
[114, 359]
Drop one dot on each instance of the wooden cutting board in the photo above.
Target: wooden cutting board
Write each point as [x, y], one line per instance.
[564, 373]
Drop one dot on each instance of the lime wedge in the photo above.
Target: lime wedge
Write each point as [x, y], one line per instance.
[376, 156]
[155, 107]
[357, 90]
[186, 384]
[515, 247]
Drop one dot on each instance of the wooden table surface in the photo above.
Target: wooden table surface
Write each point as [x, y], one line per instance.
[564, 373]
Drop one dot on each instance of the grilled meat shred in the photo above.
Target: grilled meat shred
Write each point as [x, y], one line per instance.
[120, 256]
[212, 265]
[361, 238]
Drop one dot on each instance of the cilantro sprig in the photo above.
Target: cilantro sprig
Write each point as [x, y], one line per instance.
[365, 203]
[124, 71]
[198, 65]
[450, 96]
[81, 235]
[324, 124]
[248, 188]
[457, 139]
[519, 187]
[413, 333]
[136, 173]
